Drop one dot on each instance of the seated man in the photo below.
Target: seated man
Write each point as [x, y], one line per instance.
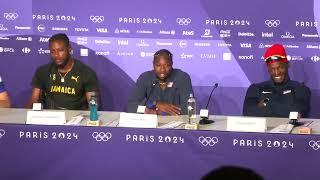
[65, 83]
[4, 97]
[280, 95]
[166, 89]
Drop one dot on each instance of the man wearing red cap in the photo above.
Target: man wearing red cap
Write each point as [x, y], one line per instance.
[280, 95]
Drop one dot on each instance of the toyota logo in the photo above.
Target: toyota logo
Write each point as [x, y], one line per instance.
[211, 141]
[314, 144]
[10, 16]
[101, 136]
[272, 23]
[2, 133]
[97, 19]
[183, 21]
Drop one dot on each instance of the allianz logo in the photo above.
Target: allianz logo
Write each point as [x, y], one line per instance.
[172, 32]
[123, 42]
[23, 38]
[102, 30]
[313, 46]
[245, 45]
[267, 34]
[246, 57]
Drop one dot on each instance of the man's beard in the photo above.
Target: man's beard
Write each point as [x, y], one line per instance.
[61, 66]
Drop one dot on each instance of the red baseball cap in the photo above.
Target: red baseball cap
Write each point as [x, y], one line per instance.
[275, 53]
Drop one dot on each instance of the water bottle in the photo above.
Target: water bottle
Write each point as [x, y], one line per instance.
[93, 107]
[191, 107]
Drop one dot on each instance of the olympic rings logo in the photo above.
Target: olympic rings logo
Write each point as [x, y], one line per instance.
[97, 19]
[101, 136]
[10, 16]
[272, 23]
[315, 145]
[2, 132]
[183, 21]
[211, 141]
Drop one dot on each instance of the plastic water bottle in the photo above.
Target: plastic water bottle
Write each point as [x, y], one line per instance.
[192, 107]
[93, 107]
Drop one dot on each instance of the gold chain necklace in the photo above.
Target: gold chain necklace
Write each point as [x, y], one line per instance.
[163, 83]
[62, 77]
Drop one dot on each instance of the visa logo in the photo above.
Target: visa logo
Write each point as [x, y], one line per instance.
[245, 45]
[102, 30]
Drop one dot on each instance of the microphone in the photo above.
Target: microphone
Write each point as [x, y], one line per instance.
[151, 91]
[142, 109]
[204, 113]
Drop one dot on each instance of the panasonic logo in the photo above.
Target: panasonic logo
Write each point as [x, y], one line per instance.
[310, 35]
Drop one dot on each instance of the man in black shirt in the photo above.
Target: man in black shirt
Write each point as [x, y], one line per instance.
[280, 95]
[168, 89]
[65, 83]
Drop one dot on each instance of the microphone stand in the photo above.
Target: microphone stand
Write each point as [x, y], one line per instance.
[206, 120]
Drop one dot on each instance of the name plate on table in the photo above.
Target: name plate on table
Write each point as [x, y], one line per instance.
[46, 117]
[138, 120]
[246, 124]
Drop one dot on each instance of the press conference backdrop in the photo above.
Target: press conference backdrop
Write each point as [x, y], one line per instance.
[215, 41]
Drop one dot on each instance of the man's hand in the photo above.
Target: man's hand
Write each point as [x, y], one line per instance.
[168, 108]
[261, 103]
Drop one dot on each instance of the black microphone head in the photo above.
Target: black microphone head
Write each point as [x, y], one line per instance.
[216, 85]
[155, 82]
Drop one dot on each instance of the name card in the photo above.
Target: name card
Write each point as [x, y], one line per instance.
[204, 113]
[141, 109]
[246, 124]
[46, 117]
[138, 120]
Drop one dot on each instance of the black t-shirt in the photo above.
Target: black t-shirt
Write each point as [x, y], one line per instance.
[65, 91]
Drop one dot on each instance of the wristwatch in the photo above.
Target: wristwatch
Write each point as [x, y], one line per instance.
[152, 104]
